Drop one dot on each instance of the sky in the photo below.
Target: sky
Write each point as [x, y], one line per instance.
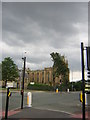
[36, 29]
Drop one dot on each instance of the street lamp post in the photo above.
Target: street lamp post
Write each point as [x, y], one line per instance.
[22, 91]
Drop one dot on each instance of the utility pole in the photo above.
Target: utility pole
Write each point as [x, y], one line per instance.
[83, 81]
[22, 91]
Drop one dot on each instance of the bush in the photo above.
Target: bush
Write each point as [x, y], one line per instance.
[76, 86]
[43, 87]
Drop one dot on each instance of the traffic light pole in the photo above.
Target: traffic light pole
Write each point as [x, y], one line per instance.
[83, 81]
[7, 101]
[22, 91]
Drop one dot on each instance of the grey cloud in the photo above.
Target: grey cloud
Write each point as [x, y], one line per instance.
[59, 17]
[37, 59]
[50, 26]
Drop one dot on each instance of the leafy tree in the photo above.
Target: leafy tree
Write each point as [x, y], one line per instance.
[9, 70]
[60, 67]
[76, 85]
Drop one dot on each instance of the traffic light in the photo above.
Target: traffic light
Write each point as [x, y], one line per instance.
[88, 58]
[9, 94]
[88, 75]
[87, 82]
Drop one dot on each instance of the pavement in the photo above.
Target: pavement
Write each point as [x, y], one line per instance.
[33, 113]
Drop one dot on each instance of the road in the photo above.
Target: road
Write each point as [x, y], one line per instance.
[67, 102]
[64, 102]
[14, 100]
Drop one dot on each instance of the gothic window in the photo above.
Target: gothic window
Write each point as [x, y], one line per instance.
[37, 77]
[48, 76]
[60, 81]
[42, 77]
[33, 77]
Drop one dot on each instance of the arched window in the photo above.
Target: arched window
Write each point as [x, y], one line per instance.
[43, 77]
[37, 77]
[48, 76]
[60, 81]
[33, 77]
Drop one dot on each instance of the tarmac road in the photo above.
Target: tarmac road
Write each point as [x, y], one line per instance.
[67, 102]
[14, 101]
[64, 102]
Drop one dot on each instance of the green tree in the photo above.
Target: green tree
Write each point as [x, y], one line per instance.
[76, 85]
[9, 70]
[60, 67]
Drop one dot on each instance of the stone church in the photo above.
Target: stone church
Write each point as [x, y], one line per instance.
[44, 76]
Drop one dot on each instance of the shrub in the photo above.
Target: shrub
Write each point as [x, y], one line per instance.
[43, 87]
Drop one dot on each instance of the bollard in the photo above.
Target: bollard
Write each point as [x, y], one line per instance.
[57, 90]
[29, 99]
[67, 90]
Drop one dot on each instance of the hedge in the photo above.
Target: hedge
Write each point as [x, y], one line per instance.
[42, 87]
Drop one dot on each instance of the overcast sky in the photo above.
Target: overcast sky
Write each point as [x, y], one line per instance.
[43, 28]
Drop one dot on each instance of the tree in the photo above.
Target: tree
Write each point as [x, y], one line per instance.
[76, 85]
[60, 67]
[9, 70]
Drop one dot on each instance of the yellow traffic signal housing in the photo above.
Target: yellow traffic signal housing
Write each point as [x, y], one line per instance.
[9, 94]
[81, 97]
